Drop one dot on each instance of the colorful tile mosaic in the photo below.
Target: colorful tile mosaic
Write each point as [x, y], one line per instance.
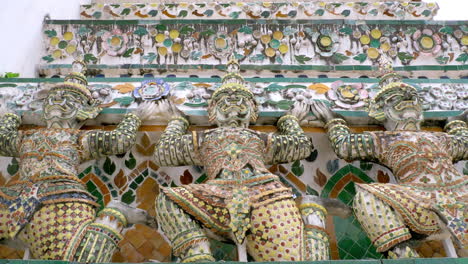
[210, 42]
[266, 10]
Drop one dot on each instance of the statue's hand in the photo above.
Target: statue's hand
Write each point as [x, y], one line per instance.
[463, 117]
[322, 112]
[299, 110]
[5, 110]
[146, 111]
[162, 110]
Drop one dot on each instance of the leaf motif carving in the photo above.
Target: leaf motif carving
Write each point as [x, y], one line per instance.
[320, 178]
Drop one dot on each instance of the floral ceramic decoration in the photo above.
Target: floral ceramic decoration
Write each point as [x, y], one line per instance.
[151, 90]
[220, 45]
[427, 42]
[445, 97]
[114, 42]
[61, 47]
[327, 42]
[262, 10]
[335, 43]
[347, 96]
[168, 42]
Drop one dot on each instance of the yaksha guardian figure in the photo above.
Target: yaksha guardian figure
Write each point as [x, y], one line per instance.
[48, 208]
[428, 185]
[241, 201]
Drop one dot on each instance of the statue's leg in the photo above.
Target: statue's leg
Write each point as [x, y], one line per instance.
[189, 241]
[317, 241]
[69, 231]
[383, 225]
[3, 223]
[277, 232]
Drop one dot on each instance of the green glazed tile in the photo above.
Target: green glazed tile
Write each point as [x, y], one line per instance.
[350, 188]
[345, 197]
[436, 261]
[345, 243]
[398, 261]
[357, 251]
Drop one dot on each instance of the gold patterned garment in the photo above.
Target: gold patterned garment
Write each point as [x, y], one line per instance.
[234, 159]
[427, 179]
[49, 160]
[422, 162]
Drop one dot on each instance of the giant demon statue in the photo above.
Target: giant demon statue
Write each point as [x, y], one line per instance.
[241, 201]
[48, 207]
[429, 187]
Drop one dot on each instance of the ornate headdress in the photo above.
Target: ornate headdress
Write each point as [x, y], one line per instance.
[232, 83]
[76, 81]
[390, 82]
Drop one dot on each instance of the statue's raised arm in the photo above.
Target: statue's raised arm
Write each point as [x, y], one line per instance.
[457, 128]
[290, 143]
[97, 143]
[175, 147]
[348, 146]
[10, 136]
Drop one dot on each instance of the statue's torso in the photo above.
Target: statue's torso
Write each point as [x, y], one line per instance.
[232, 153]
[49, 160]
[420, 158]
[48, 154]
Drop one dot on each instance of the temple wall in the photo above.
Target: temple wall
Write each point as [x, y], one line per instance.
[21, 41]
[134, 178]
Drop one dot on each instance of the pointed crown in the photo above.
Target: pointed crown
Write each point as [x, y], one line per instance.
[76, 81]
[232, 82]
[389, 83]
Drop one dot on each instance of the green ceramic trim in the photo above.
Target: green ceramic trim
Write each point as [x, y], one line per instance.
[339, 174]
[427, 114]
[430, 114]
[253, 21]
[115, 111]
[215, 80]
[324, 68]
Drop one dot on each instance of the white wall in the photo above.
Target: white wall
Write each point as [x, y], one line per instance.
[21, 36]
[451, 9]
[21, 27]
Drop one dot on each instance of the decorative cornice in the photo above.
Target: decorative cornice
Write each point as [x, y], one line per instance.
[441, 98]
[385, 10]
[282, 44]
